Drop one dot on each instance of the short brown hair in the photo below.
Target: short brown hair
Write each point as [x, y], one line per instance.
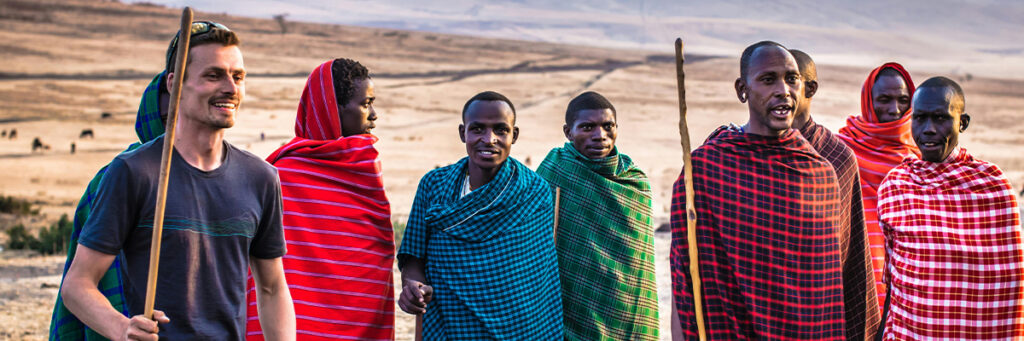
[214, 36]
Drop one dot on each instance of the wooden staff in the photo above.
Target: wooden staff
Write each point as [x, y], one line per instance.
[558, 196]
[419, 327]
[691, 212]
[165, 162]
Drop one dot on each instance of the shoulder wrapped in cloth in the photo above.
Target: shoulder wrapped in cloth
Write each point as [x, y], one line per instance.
[879, 147]
[605, 246]
[490, 255]
[768, 211]
[336, 224]
[956, 263]
[148, 126]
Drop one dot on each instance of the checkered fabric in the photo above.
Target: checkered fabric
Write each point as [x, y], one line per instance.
[63, 324]
[956, 263]
[767, 228]
[337, 224]
[861, 300]
[879, 147]
[605, 246]
[490, 255]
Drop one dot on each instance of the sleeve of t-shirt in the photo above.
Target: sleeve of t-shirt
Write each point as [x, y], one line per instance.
[269, 240]
[114, 212]
[414, 242]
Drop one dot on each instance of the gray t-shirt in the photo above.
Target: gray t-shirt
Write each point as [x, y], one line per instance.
[213, 223]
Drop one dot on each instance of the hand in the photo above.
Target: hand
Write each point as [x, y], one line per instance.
[415, 296]
[142, 328]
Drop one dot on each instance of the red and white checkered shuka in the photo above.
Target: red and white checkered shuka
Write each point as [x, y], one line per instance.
[953, 244]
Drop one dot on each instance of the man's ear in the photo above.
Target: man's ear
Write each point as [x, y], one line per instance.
[810, 88]
[965, 120]
[169, 81]
[565, 129]
[515, 134]
[462, 133]
[741, 90]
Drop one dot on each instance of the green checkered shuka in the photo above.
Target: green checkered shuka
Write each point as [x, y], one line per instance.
[605, 243]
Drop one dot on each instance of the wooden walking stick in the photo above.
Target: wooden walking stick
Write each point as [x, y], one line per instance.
[558, 195]
[691, 212]
[165, 162]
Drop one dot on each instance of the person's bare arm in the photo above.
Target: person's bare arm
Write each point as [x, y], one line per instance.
[273, 299]
[84, 299]
[677, 328]
[415, 291]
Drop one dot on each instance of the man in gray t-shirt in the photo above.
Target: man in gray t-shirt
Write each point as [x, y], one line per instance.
[223, 215]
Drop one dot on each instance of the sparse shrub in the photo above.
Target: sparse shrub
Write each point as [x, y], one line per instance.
[16, 206]
[51, 240]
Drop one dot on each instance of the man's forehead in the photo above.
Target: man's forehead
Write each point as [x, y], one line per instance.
[218, 56]
[773, 56]
[595, 115]
[933, 96]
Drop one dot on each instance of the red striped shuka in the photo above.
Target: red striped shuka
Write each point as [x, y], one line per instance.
[767, 228]
[955, 259]
[336, 224]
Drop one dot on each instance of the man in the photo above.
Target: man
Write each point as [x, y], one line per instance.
[337, 220]
[880, 137]
[149, 125]
[223, 214]
[604, 235]
[862, 314]
[768, 218]
[478, 257]
[952, 230]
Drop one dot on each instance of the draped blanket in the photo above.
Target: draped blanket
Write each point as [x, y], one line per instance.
[879, 147]
[63, 324]
[490, 255]
[767, 220]
[605, 246]
[956, 263]
[862, 313]
[336, 224]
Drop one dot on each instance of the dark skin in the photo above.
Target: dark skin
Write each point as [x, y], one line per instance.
[593, 133]
[771, 90]
[357, 116]
[890, 98]
[937, 121]
[803, 107]
[488, 130]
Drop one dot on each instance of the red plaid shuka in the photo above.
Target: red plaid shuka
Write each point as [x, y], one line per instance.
[767, 218]
[337, 226]
[953, 243]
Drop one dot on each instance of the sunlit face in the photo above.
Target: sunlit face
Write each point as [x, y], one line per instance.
[771, 90]
[936, 122]
[358, 115]
[488, 131]
[890, 98]
[593, 132]
[213, 90]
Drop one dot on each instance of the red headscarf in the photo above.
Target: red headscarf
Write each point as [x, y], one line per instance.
[879, 148]
[318, 109]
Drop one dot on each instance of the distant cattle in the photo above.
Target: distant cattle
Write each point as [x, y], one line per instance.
[106, 115]
[4, 133]
[38, 144]
[72, 147]
[86, 133]
[13, 134]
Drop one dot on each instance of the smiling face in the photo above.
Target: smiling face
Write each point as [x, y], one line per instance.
[890, 98]
[593, 132]
[213, 90]
[357, 115]
[771, 89]
[488, 131]
[936, 122]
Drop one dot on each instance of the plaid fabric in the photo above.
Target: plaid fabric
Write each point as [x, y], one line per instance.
[767, 224]
[63, 324]
[490, 255]
[605, 246]
[956, 263]
[879, 147]
[861, 300]
[337, 224]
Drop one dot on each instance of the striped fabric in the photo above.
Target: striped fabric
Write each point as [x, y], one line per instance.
[956, 263]
[605, 246]
[862, 313]
[63, 324]
[879, 147]
[767, 228]
[336, 224]
[490, 255]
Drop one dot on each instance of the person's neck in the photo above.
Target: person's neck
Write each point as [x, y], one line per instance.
[762, 130]
[800, 121]
[200, 145]
[480, 176]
